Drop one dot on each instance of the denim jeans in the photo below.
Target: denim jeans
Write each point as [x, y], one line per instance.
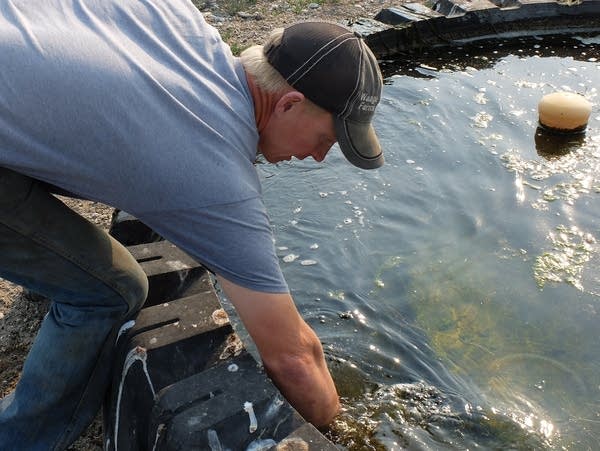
[94, 284]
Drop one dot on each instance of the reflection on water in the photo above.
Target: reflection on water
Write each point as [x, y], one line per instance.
[456, 289]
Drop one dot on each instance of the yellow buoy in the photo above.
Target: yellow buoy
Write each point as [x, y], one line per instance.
[565, 112]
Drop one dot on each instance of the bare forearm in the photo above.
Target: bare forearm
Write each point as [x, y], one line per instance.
[307, 384]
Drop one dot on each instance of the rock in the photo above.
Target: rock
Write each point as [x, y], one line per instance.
[246, 16]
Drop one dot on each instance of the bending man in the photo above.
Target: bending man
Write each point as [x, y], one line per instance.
[141, 106]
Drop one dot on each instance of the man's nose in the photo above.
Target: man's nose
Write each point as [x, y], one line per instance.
[318, 156]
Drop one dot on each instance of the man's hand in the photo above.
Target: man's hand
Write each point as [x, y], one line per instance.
[291, 352]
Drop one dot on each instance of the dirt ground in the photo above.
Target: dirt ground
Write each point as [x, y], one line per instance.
[241, 23]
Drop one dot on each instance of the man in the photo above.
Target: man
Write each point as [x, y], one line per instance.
[139, 104]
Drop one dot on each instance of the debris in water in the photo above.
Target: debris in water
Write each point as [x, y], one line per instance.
[482, 119]
[480, 98]
[290, 258]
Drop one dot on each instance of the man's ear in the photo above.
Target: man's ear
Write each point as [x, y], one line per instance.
[288, 101]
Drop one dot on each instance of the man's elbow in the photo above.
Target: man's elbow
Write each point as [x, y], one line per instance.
[295, 369]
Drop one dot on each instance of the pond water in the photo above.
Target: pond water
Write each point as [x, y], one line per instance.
[456, 289]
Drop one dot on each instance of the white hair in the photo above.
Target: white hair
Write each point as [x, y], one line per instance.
[256, 64]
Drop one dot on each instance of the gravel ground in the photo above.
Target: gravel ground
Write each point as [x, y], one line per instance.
[242, 24]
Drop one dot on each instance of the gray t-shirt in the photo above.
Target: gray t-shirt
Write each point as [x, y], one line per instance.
[140, 105]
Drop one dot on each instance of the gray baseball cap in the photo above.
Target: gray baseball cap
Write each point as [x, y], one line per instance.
[334, 68]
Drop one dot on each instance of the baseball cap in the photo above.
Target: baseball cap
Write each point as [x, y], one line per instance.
[333, 67]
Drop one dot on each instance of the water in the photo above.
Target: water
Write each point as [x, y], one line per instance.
[456, 290]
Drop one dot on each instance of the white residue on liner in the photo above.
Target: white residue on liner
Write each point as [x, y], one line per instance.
[177, 265]
[124, 328]
[137, 353]
[274, 407]
[213, 441]
[253, 423]
[263, 445]
[161, 427]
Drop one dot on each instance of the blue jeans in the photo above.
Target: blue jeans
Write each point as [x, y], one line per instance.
[94, 284]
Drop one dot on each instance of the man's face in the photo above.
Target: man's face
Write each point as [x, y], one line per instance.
[297, 129]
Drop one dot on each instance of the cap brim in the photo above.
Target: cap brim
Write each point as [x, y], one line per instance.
[359, 143]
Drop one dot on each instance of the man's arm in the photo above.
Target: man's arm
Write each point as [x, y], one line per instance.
[291, 352]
